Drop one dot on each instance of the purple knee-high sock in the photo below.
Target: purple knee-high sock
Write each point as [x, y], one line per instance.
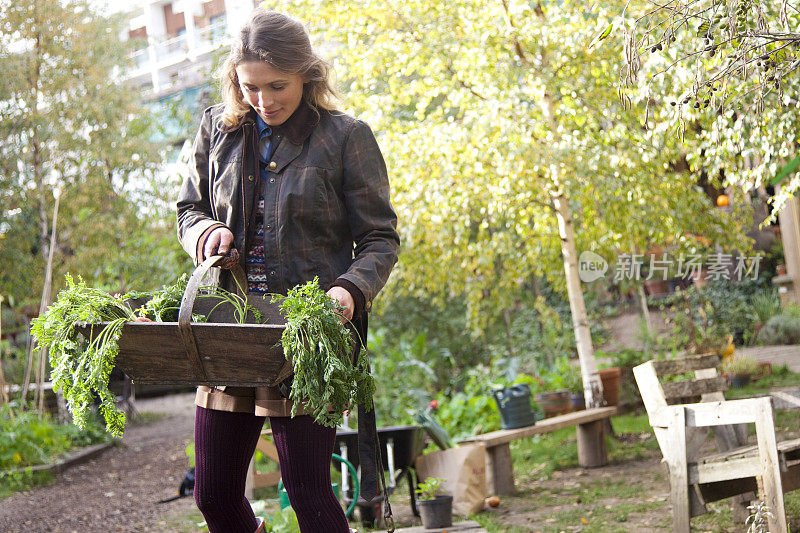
[304, 450]
[224, 443]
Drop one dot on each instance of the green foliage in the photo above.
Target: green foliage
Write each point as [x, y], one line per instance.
[430, 488]
[163, 305]
[573, 381]
[460, 96]
[69, 122]
[283, 521]
[415, 360]
[560, 376]
[781, 377]
[319, 345]
[792, 310]
[766, 304]
[27, 439]
[190, 453]
[471, 411]
[780, 329]
[625, 357]
[81, 367]
[703, 319]
[740, 364]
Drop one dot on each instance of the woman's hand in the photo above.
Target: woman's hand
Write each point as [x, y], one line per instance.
[219, 242]
[345, 299]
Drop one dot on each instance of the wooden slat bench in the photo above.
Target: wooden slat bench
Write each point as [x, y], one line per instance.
[736, 469]
[591, 444]
[255, 480]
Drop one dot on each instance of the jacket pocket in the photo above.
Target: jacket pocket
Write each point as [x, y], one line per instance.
[224, 184]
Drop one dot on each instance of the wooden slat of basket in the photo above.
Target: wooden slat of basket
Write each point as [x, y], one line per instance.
[243, 355]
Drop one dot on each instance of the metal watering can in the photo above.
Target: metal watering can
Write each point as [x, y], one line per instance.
[514, 403]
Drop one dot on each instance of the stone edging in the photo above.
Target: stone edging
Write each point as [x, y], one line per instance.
[70, 459]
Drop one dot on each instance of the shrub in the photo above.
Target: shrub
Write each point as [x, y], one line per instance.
[744, 365]
[467, 413]
[27, 440]
[780, 329]
[766, 305]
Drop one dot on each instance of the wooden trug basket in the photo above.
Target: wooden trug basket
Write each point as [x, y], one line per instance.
[214, 353]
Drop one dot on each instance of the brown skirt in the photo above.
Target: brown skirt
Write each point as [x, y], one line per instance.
[261, 401]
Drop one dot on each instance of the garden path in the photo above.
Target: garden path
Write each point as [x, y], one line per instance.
[118, 490]
[777, 355]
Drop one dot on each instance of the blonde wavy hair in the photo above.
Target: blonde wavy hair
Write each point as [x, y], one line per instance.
[283, 43]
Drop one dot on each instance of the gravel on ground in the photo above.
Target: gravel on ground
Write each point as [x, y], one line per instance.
[119, 490]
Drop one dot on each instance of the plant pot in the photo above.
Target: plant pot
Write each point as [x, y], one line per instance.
[514, 403]
[609, 377]
[764, 369]
[780, 269]
[436, 513]
[657, 287]
[578, 401]
[739, 380]
[699, 278]
[554, 402]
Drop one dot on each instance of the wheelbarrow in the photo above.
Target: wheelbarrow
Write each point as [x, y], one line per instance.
[401, 445]
[217, 352]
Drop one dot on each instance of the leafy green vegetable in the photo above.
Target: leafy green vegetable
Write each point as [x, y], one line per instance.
[283, 521]
[239, 304]
[163, 305]
[319, 346]
[81, 368]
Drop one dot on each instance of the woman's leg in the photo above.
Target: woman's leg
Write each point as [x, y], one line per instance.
[304, 450]
[224, 443]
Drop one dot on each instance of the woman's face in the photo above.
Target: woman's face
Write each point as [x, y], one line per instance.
[273, 94]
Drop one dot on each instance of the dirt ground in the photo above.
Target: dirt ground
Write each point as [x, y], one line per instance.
[118, 490]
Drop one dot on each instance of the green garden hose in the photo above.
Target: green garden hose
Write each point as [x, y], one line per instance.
[353, 474]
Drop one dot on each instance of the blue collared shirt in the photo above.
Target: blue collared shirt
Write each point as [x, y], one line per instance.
[265, 144]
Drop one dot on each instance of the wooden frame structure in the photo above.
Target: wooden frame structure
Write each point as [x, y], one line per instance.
[591, 444]
[736, 469]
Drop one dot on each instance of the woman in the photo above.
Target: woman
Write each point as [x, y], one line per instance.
[291, 189]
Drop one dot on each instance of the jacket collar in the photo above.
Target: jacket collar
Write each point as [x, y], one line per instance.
[297, 127]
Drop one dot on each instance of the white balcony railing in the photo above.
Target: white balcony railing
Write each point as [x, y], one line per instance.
[212, 34]
[140, 57]
[171, 47]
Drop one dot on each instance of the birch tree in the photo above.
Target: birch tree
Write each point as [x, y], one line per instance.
[509, 147]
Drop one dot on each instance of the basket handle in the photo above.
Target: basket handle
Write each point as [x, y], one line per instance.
[187, 304]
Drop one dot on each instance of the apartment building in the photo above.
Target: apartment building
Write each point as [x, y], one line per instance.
[176, 40]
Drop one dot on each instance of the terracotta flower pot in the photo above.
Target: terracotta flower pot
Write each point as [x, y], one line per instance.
[609, 377]
[657, 287]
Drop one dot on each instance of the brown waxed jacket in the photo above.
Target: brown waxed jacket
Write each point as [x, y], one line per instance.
[327, 209]
[326, 213]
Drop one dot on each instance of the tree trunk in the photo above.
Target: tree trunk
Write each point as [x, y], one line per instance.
[38, 179]
[46, 292]
[592, 386]
[645, 309]
[3, 395]
[509, 341]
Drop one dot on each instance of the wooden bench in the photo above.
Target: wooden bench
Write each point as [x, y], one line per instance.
[255, 480]
[591, 444]
[734, 469]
